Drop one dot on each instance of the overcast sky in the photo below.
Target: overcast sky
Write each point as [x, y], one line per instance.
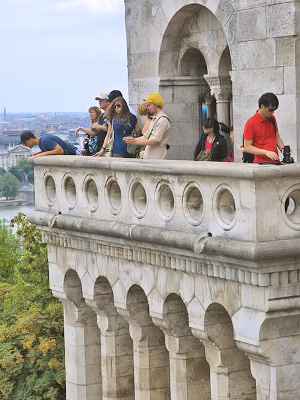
[58, 55]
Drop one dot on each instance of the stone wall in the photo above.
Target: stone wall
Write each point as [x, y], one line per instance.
[180, 280]
[224, 52]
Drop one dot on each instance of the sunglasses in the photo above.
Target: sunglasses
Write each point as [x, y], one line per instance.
[272, 109]
[118, 106]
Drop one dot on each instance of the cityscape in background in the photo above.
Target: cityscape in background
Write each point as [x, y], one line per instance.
[62, 124]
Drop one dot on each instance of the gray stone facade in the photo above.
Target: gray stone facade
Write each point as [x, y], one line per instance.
[179, 280]
[224, 52]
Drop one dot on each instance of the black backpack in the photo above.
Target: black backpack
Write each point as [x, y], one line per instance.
[248, 157]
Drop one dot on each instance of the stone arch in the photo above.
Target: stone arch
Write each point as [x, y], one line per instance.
[189, 370]
[192, 63]
[193, 56]
[73, 288]
[229, 366]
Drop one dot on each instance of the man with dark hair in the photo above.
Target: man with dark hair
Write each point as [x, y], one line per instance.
[261, 136]
[49, 145]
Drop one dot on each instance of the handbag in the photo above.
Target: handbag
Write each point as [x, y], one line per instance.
[204, 155]
[110, 145]
[134, 149]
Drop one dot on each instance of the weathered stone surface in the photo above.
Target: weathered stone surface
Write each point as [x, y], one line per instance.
[160, 276]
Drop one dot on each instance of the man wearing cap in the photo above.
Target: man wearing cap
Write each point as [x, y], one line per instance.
[102, 125]
[156, 136]
[49, 145]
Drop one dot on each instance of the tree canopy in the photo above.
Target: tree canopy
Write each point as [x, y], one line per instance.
[9, 185]
[31, 319]
[23, 171]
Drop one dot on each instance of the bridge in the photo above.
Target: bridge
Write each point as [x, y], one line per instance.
[179, 280]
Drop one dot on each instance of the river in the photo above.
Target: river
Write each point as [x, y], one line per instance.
[10, 212]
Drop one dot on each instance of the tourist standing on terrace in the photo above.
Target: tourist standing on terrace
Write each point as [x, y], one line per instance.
[103, 123]
[91, 145]
[212, 146]
[49, 145]
[261, 136]
[122, 123]
[156, 136]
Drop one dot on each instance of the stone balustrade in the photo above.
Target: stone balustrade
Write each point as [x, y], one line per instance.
[180, 280]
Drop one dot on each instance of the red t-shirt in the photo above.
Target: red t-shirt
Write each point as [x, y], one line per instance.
[261, 132]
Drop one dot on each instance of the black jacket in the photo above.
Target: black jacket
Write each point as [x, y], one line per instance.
[218, 148]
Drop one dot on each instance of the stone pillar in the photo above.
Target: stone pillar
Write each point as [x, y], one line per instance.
[229, 379]
[221, 89]
[230, 376]
[151, 363]
[209, 103]
[189, 371]
[117, 359]
[275, 364]
[83, 357]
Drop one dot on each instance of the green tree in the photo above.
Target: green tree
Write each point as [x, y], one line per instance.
[23, 171]
[10, 253]
[9, 186]
[31, 325]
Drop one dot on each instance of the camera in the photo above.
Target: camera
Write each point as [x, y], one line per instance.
[287, 159]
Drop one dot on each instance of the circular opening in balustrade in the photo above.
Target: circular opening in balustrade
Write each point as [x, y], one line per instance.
[113, 195]
[138, 198]
[49, 189]
[164, 199]
[69, 191]
[224, 207]
[90, 190]
[193, 204]
[291, 207]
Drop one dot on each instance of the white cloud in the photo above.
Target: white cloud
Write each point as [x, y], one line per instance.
[97, 6]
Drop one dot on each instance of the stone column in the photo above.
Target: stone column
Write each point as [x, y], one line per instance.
[209, 103]
[116, 347]
[275, 364]
[230, 376]
[117, 359]
[221, 89]
[189, 371]
[151, 363]
[83, 357]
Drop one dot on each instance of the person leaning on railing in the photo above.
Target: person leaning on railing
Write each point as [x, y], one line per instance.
[91, 145]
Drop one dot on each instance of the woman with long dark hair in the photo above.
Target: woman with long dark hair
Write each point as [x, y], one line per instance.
[212, 146]
[122, 123]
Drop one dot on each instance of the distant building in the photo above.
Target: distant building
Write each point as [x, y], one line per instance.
[10, 156]
[10, 138]
[4, 113]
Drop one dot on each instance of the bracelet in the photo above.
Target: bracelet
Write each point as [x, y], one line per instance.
[103, 148]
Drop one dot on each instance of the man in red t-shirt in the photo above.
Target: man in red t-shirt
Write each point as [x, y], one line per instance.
[260, 138]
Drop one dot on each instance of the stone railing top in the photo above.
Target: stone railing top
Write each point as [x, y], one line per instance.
[184, 204]
[174, 167]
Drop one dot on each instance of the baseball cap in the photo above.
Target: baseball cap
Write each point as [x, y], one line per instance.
[114, 94]
[156, 99]
[26, 135]
[103, 96]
